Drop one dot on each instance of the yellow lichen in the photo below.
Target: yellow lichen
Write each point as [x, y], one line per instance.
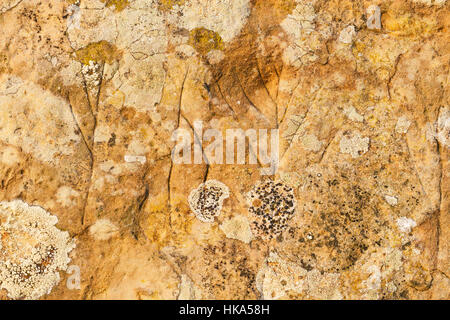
[167, 5]
[145, 295]
[98, 52]
[204, 40]
[3, 62]
[119, 5]
[408, 25]
[168, 226]
[286, 7]
[278, 9]
[117, 99]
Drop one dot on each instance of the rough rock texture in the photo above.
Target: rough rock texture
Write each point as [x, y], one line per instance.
[91, 92]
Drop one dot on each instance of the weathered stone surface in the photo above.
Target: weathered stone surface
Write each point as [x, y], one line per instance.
[91, 92]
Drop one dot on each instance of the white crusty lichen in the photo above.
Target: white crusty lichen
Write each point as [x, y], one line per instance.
[206, 201]
[237, 228]
[299, 26]
[278, 277]
[274, 273]
[402, 125]
[226, 17]
[353, 115]
[354, 144]
[32, 250]
[443, 128]
[188, 290]
[347, 34]
[379, 265]
[391, 200]
[66, 196]
[91, 73]
[405, 224]
[215, 56]
[43, 125]
[103, 229]
[311, 143]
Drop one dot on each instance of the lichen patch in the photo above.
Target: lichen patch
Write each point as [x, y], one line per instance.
[97, 52]
[391, 200]
[278, 278]
[117, 5]
[311, 143]
[30, 106]
[402, 125]
[272, 205]
[237, 228]
[347, 34]
[103, 229]
[167, 5]
[204, 40]
[354, 144]
[300, 26]
[32, 251]
[405, 224]
[206, 201]
[67, 196]
[226, 17]
[353, 114]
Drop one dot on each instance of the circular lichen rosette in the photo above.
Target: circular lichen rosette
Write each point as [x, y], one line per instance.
[206, 201]
[32, 250]
[272, 205]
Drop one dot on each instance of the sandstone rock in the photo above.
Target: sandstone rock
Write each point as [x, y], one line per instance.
[92, 91]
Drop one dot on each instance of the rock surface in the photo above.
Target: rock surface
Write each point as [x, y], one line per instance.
[91, 92]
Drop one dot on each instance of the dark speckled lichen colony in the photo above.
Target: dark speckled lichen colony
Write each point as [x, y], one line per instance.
[273, 205]
[206, 201]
